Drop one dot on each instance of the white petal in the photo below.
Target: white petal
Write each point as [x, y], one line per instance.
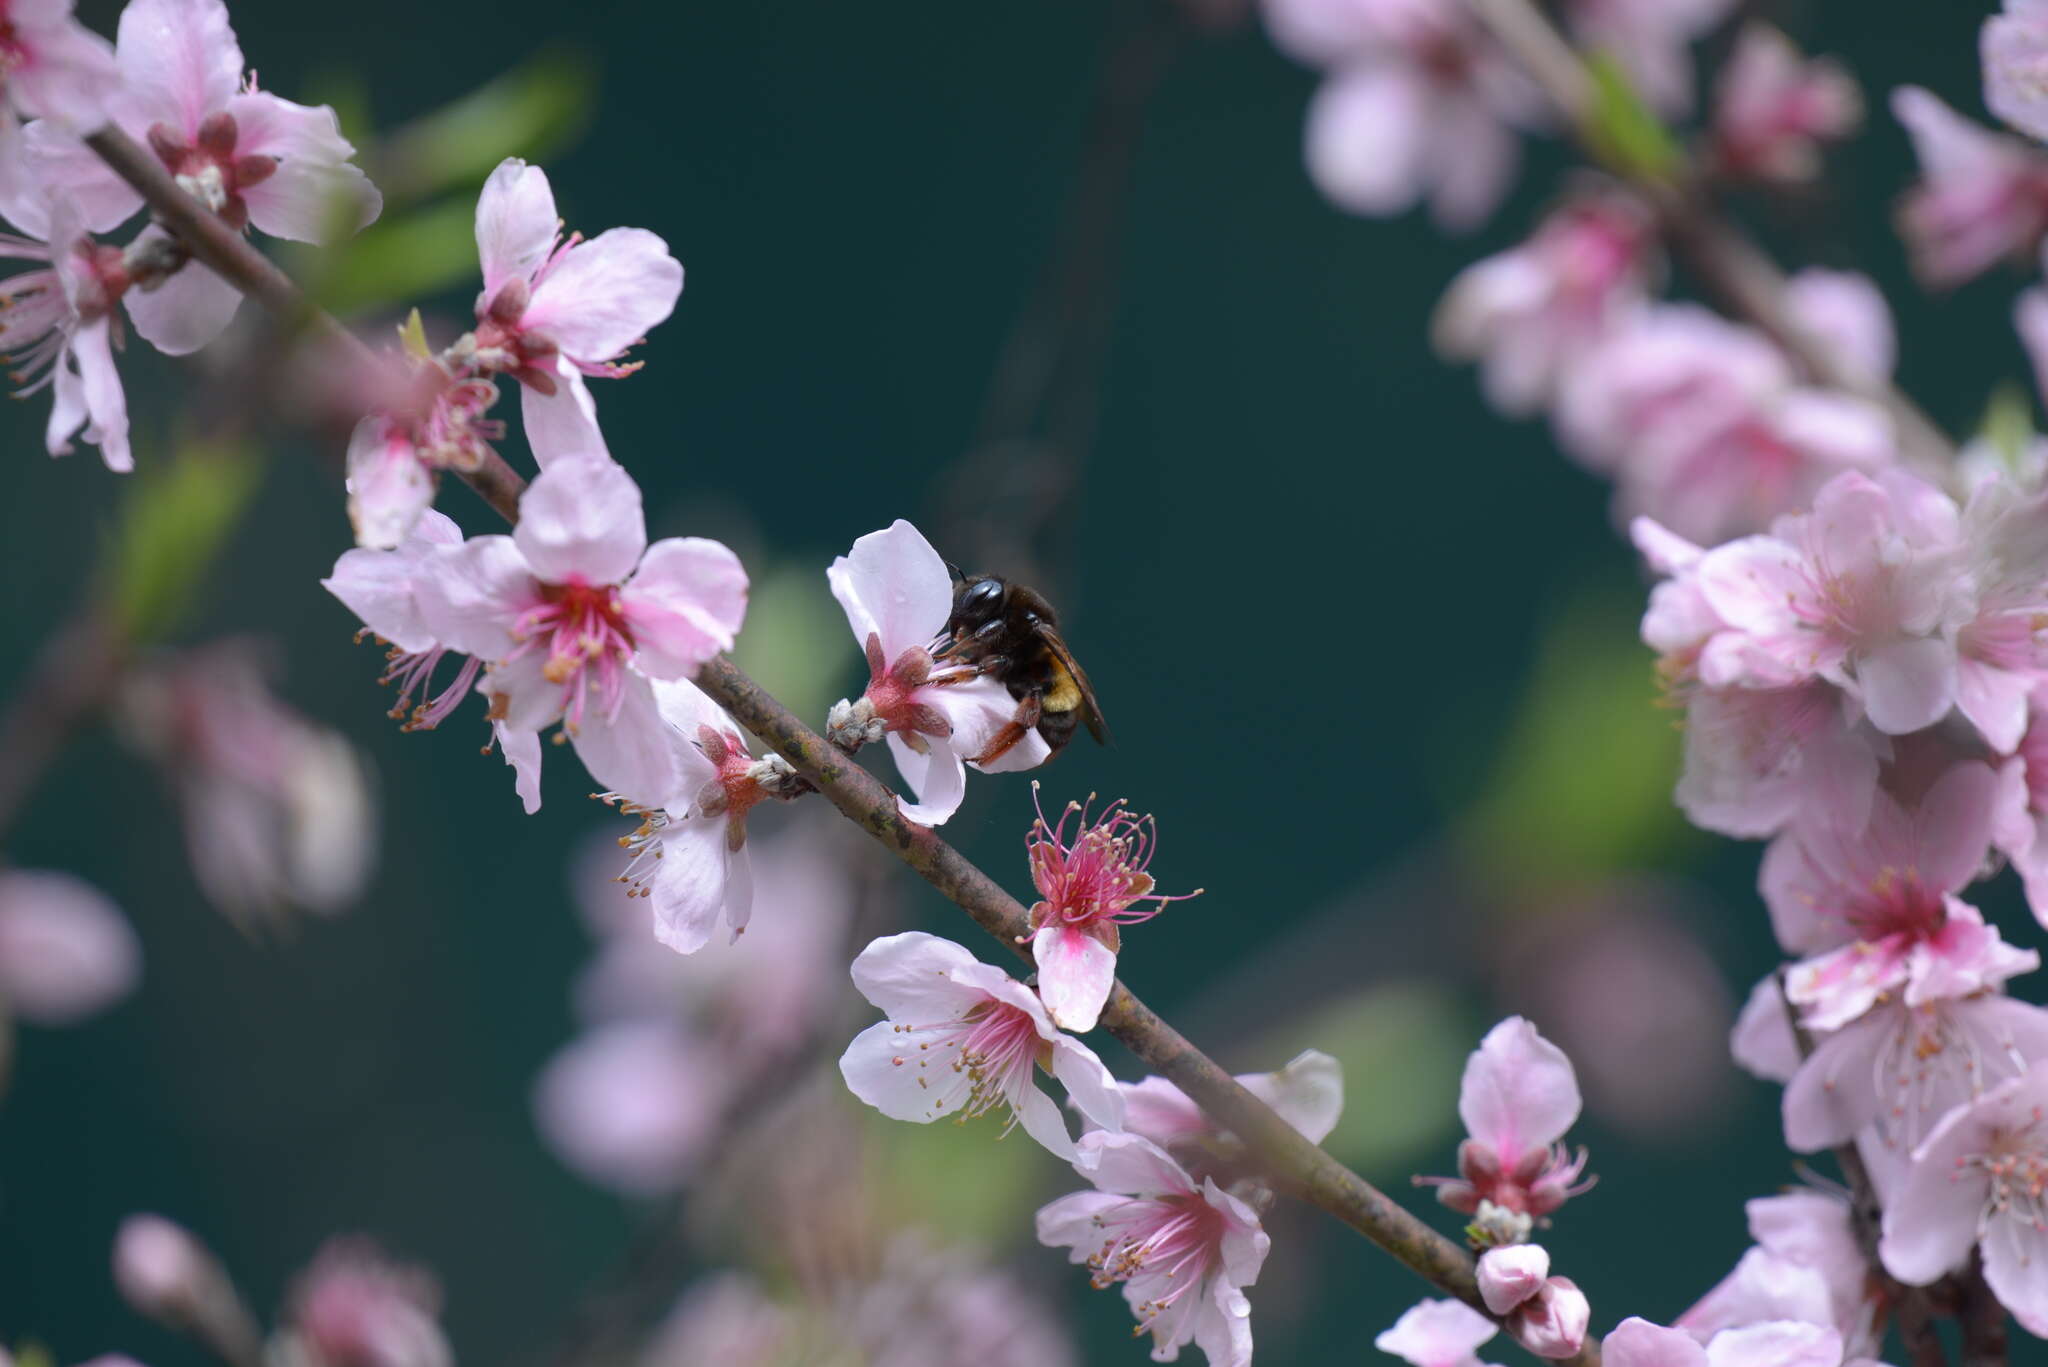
[515, 224]
[581, 518]
[600, 297]
[185, 312]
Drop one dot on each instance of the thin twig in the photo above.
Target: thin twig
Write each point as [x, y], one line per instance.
[1733, 269]
[1296, 1164]
[1983, 1319]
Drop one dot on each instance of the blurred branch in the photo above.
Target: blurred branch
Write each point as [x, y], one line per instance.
[1731, 267]
[71, 679]
[1296, 1165]
[1983, 1317]
[1912, 1306]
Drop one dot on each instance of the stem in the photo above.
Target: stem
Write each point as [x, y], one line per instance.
[1983, 1318]
[1297, 1165]
[71, 678]
[1733, 269]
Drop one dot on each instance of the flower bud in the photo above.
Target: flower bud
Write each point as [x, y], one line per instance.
[1509, 1276]
[1552, 1323]
[168, 1275]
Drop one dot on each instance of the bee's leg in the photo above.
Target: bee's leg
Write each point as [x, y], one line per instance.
[1028, 712]
[959, 671]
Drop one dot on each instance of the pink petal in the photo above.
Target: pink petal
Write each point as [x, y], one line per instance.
[2016, 1268]
[2014, 47]
[186, 311]
[1931, 1221]
[630, 1106]
[316, 194]
[562, 424]
[60, 163]
[580, 520]
[1639, 1343]
[1473, 158]
[1845, 310]
[628, 753]
[1040, 1117]
[1366, 136]
[1764, 1286]
[1508, 1276]
[684, 604]
[66, 952]
[469, 595]
[1762, 1042]
[1783, 1343]
[1750, 582]
[105, 403]
[938, 778]
[1436, 1333]
[1519, 1094]
[1075, 972]
[1834, 1094]
[602, 296]
[180, 62]
[689, 883]
[388, 488]
[1223, 1325]
[1308, 1093]
[881, 1067]
[893, 584]
[522, 752]
[1995, 702]
[69, 74]
[1130, 1165]
[377, 587]
[1071, 1222]
[1090, 1087]
[910, 977]
[516, 225]
[1908, 685]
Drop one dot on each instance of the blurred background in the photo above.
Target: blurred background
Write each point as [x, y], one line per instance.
[1049, 280]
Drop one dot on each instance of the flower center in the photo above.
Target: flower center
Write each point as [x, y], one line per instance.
[587, 640]
[413, 672]
[1099, 877]
[990, 1050]
[1173, 1239]
[2016, 1162]
[208, 169]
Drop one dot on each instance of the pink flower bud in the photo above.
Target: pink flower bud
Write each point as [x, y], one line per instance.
[1552, 1323]
[162, 1270]
[1509, 1276]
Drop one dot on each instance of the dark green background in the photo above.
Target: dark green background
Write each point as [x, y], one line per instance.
[1309, 572]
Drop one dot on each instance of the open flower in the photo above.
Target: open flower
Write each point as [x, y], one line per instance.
[553, 311]
[1090, 885]
[1980, 1179]
[1876, 908]
[688, 856]
[576, 614]
[1773, 108]
[630, 1105]
[1517, 1099]
[965, 1036]
[1528, 314]
[1183, 1250]
[58, 324]
[1806, 1265]
[66, 952]
[898, 597]
[1982, 197]
[355, 1307]
[1308, 1094]
[426, 418]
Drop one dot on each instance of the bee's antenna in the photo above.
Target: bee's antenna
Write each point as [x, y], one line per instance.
[955, 571]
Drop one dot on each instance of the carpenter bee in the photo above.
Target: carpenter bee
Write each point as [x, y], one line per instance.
[1008, 631]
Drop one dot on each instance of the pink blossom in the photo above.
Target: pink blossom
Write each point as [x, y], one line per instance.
[1183, 1250]
[2002, 650]
[66, 952]
[166, 1273]
[2021, 823]
[249, 155]
[1511, 1275]
[898, 597]
[688, 857]
[1703, 427]
[553, 310]
[1774, 109]
[354, 1307]
[1090, 886]
[434, 420]
[1865, 591]
[1806, 1265]
[1762, 1041]
[1846, 313]
[1877, 909]
[1530, 313]
[630, 1106]
[1983, 196]
[1552, 1323]
[1651, 39]
[931, 1306]
[1517, 1099]
[1979, 1179]
[1308, 1094]
[2014, 46]
[725, 1318]
[278, 811]
[53, 67]
[59, 326]
[1420, 105]
[1779, 1343]
[1899, 1069]
[1438, 1334]
[965, 1036]
[576, 614]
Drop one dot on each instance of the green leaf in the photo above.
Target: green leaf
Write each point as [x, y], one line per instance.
[421, 253]
[2008, 423]
[532, 111]
[956, 1176]
[172, 525]
[796, 642]
[1626, 133]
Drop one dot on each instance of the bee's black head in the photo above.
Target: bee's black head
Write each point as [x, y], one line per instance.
[979, 600]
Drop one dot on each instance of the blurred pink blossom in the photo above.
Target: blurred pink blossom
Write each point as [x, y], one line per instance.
[631, 1105]
[898, 596]
[1774, 109]
[1982, 197]
[53, 67]
[1552, 1322]
[1438, 1334]
[1511, 1275]
[58, 323]
[66, 952]
[354, 1307]
[965, 1036]
[1779, 1343]
[432, 421]
[576, 614]
[932, 1306]
[1517, 1099]
[553, 311]
[1308, 1094]
[1090, 886]
[1805, 1265]
[1652, 39]
[1978, 1180]
[1183, 1250]
[1419, 104]
[2014, 46]
[1529, 315]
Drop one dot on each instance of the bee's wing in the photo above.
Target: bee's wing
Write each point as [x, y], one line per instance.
[1091, 710]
